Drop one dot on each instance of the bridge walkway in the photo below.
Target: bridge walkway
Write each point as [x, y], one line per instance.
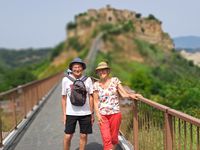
[46, 130]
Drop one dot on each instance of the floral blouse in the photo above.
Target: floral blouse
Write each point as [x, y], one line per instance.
[108, 97]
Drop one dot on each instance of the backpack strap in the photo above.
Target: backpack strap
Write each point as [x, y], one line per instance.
[84, 78]
[70, 78]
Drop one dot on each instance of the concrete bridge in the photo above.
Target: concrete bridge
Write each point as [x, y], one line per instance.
[42, 128]
[30, 119]
[45, 130]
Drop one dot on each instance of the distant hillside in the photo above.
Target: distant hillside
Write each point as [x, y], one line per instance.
[21, 66]
[11, 58]
[187, 42]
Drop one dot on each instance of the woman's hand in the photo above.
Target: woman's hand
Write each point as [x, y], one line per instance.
[92, 118]
[100, 119]
[135, 96]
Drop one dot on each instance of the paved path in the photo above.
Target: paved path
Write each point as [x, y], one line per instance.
[46, 130]
[95, 47]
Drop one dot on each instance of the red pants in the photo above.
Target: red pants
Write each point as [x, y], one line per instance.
[110, 130]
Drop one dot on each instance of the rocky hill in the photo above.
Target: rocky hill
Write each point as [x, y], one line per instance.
[88, 24]
[139, 52]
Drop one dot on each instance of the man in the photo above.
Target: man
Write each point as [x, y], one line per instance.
[71, 113]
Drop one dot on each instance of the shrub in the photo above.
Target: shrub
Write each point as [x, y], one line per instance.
[190, 63]
[128, 26]
[74, 43]
[71, 25]
[14, 78]
[86, 22]
[138, 15]
[106, 27]
[57, 50]
[152, 17]
[143, 30]
[82, 14]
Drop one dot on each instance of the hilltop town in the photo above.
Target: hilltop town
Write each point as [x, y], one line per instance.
[145, 28]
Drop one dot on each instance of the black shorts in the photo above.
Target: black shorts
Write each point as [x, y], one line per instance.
[85, 124]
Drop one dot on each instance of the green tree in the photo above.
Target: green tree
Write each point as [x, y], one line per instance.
[14, 78]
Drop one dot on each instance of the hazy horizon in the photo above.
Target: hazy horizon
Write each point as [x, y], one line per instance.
[40, 24]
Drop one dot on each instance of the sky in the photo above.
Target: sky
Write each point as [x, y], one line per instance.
[42, 23]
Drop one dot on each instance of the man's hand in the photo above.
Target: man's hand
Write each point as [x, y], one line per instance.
[64, 119]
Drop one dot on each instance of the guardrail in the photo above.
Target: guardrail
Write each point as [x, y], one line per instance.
[152, 126]
[15, 104]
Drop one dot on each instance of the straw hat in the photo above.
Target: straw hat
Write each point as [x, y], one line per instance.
[102, 65]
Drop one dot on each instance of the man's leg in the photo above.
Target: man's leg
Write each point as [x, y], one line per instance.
[67, 141]
[85, 129]
[83, 141]
[70, 126]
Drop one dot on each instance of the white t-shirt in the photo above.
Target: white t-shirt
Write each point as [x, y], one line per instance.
[77, 110]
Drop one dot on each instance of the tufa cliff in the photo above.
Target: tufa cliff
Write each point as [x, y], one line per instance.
[88, 24]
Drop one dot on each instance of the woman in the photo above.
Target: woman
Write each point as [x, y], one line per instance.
[106, 104]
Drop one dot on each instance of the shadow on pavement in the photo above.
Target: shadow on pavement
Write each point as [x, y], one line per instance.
[96, 146]
[93, 146]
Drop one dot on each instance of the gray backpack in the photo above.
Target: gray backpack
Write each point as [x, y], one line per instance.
[78, 91]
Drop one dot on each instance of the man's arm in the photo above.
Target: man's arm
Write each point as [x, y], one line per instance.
[90, 92]
[91, 100]
[64, 107]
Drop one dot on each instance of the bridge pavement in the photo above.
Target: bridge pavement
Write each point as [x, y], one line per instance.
[46, 130]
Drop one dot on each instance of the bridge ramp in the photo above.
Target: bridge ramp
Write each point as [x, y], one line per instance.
[46, 130]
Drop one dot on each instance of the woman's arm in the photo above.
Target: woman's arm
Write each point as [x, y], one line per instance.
[96, 103]
[122, 91]
[125, 94]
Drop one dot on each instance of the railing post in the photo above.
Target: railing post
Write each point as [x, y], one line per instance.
[37, 94]
[135, 126]
[1, 136]
[13, 101]
[25, 104]
[198, 143]
[168, 132]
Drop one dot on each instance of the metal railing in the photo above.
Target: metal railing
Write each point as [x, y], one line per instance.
[152, 126]
[15, 104]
